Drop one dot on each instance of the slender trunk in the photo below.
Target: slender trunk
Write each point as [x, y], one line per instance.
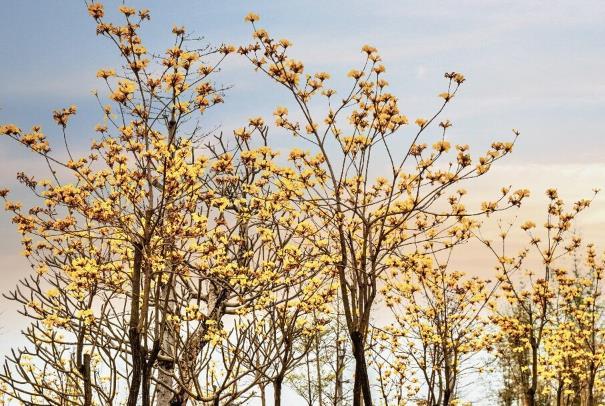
[165, 375]
[146, 385]
[263, 399]
[560, 393]
[187, 364]
[531, 392]
[277, 385]
[83, 365]
[134, 335]
[148, 364]
[446, 388]
[340, 349]
[447, 394]
[356, 384]
[309, 389]
[165, 382]
[361, 386]
[590, 388]
[530, 397]
[339, 373]
[318, 370]
[87, 381]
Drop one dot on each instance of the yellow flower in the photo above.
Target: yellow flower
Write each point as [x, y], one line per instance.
[421, 122]
[227, 49]
[178, 30]
[86, 316]
[285, 43]
[280, 111]
[251, 17]
[242, 133]
[182, 106]
[139, 49]
[368, 49]
[446, 96]
[52, 293]
[105, 73]
[96, 10]
[442, 146]
[379, 69]
[127, 86]
[127, 11]
[459, 78]
[355, 74]
[256, 122]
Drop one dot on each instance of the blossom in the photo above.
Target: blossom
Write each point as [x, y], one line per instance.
[446, 96]
[355, 74]
[96, 10]
[251, 17]
[528, 225]
[441, 146]
[368, 49]
[178, 30]
[105, 73]
[421, 122]
[61, 116]
[127, 11]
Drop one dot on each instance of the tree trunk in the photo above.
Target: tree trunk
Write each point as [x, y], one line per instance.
[277, 385]
[560, 394]
[531, 392]
[152, 357]
[134, 336]
[87, 381]
[590, 389]
[361, 387]
[318, 369]
[146, 385]
[263, 399]
[447, 394]
[165, 377]
[339, 373]
[164, 393]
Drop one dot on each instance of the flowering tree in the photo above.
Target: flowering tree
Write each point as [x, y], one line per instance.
[532, 326]
[366, 221]
[440, 328]
[143, 246]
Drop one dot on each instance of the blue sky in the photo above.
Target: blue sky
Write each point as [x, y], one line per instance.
[533, 65]
[536, 66]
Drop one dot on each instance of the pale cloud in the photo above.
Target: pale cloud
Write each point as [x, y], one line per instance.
[420, 71]
[572, 181]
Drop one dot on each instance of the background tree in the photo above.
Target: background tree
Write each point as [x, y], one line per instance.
[320, 380]
[533, 297]
[441, 324]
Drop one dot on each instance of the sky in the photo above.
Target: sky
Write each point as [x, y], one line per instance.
[532, 65]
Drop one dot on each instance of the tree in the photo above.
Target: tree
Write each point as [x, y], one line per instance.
[441, 325]
[525, 329]
[142, 247]
[366, 221]
[320, 379]
[284, 334]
